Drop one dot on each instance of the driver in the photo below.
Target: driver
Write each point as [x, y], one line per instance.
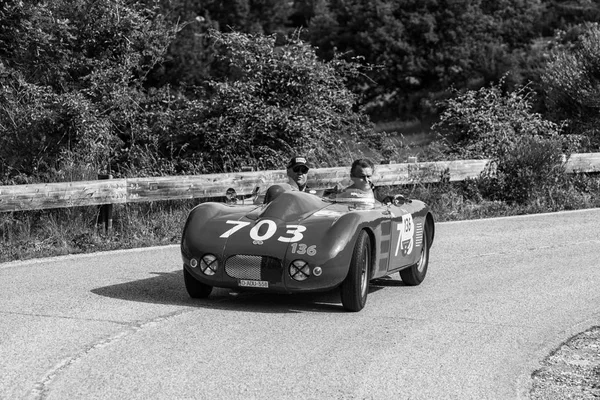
[361, 174]
[297, 170]
[362, 188]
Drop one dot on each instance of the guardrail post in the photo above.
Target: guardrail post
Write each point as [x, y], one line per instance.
[413, 168]
[105, 218]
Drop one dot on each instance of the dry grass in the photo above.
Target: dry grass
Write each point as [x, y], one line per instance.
[47, 233]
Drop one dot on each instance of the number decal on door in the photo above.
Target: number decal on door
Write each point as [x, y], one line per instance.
[406, 230]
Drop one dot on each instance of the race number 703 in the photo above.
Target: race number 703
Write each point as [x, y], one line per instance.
[293, 232]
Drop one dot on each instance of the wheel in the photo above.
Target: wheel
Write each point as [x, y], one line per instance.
[195, 288]
[355, 287]
[415, 274]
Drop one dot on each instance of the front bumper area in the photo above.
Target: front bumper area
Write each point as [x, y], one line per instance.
[261, 273]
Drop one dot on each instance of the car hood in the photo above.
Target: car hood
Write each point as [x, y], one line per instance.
[270, 229]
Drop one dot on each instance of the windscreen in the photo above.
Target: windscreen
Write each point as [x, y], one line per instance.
[293, 205]
[354, 196]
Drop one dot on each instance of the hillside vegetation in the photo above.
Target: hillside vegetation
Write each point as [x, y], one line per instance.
[151, 88]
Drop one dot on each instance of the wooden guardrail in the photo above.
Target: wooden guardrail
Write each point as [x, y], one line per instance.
[130, 190]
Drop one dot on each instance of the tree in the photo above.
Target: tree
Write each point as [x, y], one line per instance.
[72, 83]
[76, 97]
[189, 60]
[423, 47]
[562, 14]
[572, 84]
[283, 100]
[527, 150]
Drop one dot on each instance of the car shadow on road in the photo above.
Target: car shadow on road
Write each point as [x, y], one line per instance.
[168, 288]
[386, 281]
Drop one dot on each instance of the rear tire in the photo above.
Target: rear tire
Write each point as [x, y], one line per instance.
[355, 288]
[415, 274]
[195, 288]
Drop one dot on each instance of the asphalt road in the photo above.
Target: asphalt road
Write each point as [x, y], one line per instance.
[499, 296]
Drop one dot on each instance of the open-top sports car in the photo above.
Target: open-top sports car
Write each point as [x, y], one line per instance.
[300, 242]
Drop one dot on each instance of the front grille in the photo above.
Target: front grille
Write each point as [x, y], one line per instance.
[251, 267]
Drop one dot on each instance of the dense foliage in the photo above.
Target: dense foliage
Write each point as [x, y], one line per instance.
[572, 82]
[526, 149]
[71, 85]
[165, 87]
[423, 47]
[79, 96]
[283, 100]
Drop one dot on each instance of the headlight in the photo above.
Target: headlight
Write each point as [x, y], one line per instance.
[299, 270]
[209, 264]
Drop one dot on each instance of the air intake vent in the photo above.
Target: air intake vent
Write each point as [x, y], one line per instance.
[251, 267]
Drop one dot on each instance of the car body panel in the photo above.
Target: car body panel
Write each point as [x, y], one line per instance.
[258, 242]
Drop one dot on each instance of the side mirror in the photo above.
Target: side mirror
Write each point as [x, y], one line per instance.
[396, 200]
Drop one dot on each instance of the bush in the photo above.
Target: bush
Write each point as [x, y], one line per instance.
[75, 99]
[572, 84]
[527, 170]
[273, 101]
[71, 85]
[526, 150]
[48, 136]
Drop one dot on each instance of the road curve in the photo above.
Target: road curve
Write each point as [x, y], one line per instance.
[499, 296]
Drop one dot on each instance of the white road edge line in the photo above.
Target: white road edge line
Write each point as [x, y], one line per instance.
[584, 210]
[18, 263]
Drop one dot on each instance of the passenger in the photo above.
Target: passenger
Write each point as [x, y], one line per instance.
[297, 171]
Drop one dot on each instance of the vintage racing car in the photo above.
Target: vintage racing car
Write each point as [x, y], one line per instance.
[300, 242]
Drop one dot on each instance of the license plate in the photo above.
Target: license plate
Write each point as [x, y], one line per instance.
[247, 283]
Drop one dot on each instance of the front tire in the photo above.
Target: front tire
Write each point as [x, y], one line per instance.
[415, 274]
[195, 288]
[355, 288]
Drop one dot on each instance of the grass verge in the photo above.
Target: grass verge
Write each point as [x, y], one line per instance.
[47, 233]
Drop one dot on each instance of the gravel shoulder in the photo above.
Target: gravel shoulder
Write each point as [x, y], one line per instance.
[572, 371]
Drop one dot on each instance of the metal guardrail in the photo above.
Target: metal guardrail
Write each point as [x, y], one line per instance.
[131, 190]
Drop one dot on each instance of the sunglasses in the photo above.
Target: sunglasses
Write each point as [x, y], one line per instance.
[302, 170]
